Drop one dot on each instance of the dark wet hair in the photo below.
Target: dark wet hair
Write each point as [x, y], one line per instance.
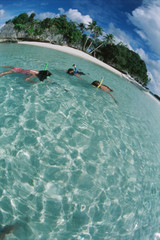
[95, 83]
[43, 75]
[70, 71]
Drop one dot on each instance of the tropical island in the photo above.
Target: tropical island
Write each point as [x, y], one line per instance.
[89, 39]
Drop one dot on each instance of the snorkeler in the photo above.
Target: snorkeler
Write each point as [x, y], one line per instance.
[34, 73]
[74, 72]
[104, 88]
[75, 68]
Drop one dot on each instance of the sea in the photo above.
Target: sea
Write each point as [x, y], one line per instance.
[75, 165]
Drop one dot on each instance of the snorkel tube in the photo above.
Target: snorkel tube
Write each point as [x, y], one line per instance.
[100, 82]
[45, 68]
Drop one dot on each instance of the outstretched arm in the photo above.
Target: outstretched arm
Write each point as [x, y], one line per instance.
[78, 76]
[6, 72]
[28, 78]
[6, 66]
[112, 96]
[107, 90]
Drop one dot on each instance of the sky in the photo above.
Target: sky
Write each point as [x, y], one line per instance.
[136, 23]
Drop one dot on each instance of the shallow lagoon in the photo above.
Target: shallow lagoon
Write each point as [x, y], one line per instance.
[73, 164]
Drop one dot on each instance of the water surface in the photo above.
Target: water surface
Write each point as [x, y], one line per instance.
[73, 164]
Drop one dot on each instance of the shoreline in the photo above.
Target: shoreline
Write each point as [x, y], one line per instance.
[74, 52]
[83, 55]
[154, 98]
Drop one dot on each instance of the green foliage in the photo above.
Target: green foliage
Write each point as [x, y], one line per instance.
[31, 30]
[94, 32]
[82, 27]
[68, 29]
[61, 23]
[9, 21]
[21, 19]
[72, 34]
[20, 27]
[46, 23]
[31, 17]
[125, 60]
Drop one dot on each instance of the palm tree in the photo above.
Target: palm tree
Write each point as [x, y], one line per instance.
[31, 17]
[97, 31]
[82, 27]
[108, 40]
[90, 27]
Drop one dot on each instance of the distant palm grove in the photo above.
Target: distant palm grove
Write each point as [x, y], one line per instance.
[87, 39]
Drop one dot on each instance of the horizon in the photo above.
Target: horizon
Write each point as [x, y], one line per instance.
[135, 23]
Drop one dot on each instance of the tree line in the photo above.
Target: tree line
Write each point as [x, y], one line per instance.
[86, 38]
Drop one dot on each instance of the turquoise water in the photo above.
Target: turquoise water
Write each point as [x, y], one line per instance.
[73, 164]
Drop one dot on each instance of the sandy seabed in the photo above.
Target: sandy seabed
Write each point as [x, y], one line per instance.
[83, 55]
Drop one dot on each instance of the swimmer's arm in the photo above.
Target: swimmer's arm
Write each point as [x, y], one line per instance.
[6, 66]
[112, 96]
[28, 79]
[107, 91]
[78, 76]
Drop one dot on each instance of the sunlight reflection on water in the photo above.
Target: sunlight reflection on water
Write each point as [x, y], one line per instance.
[73, 164]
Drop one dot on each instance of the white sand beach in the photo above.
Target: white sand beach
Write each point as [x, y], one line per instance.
[83, 55]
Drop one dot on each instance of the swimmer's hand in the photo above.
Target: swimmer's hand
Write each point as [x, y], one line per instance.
[28, 79]
[6, 66]
[111, 96]
[78, 76]
[115, 101]
[31, 81]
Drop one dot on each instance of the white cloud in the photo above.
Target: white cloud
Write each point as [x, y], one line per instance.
[76, 16]
[1, 25]
[61, 10]
[46, 15]
[141, 34]
[142, 54]
[2, 12]
[72, 14]
[29, 13]
[153, 71]
[148, 2]
[147, 21]
[120, 36]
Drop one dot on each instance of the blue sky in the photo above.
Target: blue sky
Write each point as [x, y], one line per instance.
[136, 23]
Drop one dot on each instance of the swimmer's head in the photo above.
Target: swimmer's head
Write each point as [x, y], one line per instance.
[95, 83]
[43, 75]
[70, 71]
[74, 65]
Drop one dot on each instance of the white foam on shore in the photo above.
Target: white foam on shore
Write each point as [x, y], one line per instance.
[154, 98]
[83, 55]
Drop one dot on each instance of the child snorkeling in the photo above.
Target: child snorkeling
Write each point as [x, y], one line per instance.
[74, 72]
[104, 88]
